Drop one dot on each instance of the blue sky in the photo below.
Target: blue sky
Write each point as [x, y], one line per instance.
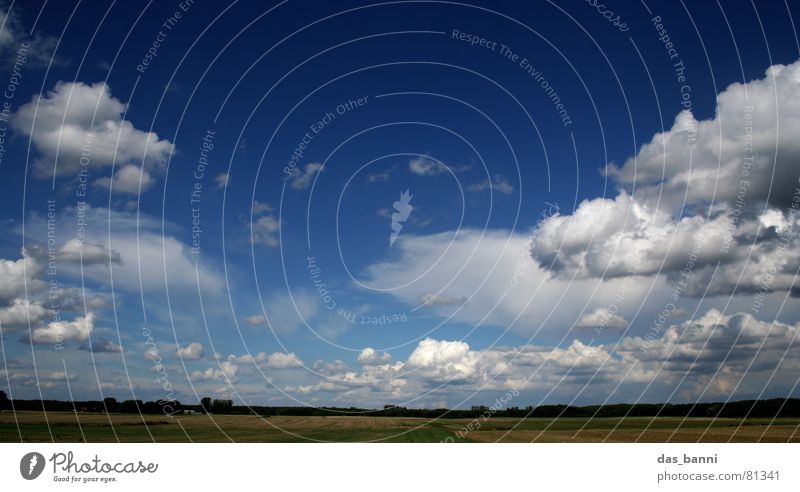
[576, 227]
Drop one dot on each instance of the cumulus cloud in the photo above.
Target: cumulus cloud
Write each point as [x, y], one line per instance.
[26, 302]
[718, 352]
[301, 179]
[15, 274]
[265, 229]
[714, 355]
[22, 313]
[443, 361]
[130, 179]
[716, 202]
[276, 360]
[369, 356]
[715, 255]
[601, 318]
[57, 332]
[76, 299]
[498, 183]
[76, 121]
[330, 368]
[226, 371]
[193, 351]
[282, 360]
[620, 237]
[38, 49]
[751, 137]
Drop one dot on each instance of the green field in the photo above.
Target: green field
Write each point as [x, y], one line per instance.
[89, 427]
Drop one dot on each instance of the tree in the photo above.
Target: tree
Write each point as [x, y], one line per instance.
[131, 406]
[221, 406]
[206, 404]
[110, 404]
[5, 403]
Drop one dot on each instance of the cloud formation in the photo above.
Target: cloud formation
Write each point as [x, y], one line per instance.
[425, 166]
[38, 49]
[369, 357]
[751, 137]
[79, 126]
[601, 318]
[193, 351]
[716, 202]
[301, 179]
[498, 183]
[57, 332]
[129, 179]
[715, 356]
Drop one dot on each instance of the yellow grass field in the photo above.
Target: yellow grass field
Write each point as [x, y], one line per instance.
[93, 427]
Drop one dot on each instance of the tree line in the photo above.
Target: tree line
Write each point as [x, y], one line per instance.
[772, 408]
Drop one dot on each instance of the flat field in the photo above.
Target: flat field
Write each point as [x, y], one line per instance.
[93, 427]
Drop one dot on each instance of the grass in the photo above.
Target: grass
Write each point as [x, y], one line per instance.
[87, 427]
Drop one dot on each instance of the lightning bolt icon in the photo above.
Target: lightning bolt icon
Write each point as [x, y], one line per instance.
[32, 464]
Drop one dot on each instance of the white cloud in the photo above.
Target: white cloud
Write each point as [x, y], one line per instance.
[20, 313]
[265, 231]
[621, 237]
[193, 351]
[443, 360]
[77, 120]
[378, 176]
[130, 179]
[15, 274]
[369, 357]
[55, 332]
[425, 166]
[159, 265]
[282, 360]
[502, 286]
[498, 183]
[760, 118]
[713, 356]
[75, 251]
[255, 320]
[301, 179]
[222, 180]
[330, 368]
[57, 375]
[743, 160]
[142, 255]
[226, 371]
[259, 358]
[40, 47]
[260, 207]
[601, 318]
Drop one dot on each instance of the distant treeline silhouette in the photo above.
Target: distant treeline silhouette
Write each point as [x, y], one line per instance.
[773, 408]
